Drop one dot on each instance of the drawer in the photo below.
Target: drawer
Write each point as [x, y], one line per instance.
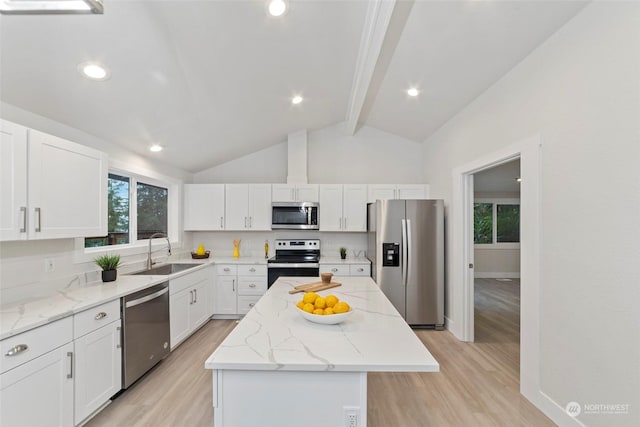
[252, 270]
[189, 280]
[246, 303]
[336, 269]
[96, 317]
[252, 285]
[35, 342]
[360, 270]
[226, 270]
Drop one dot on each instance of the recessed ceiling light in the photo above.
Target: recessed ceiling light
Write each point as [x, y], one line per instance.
[155, 148]
[277, 7]
[413, 91]
[94, 71]
[296, 100]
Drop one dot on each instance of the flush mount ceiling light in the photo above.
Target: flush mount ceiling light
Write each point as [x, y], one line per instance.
[45, 7]
[413, 92]
[277, 7]
[155, 148]
[296, 100]
[94, 71]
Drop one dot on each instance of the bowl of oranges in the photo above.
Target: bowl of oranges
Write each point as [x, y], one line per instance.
[327, 310]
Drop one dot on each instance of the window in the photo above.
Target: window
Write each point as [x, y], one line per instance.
[496, 222]
[150, 210]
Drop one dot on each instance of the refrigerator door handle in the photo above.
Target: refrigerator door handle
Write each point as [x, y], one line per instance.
[408, 246]
[404, 253]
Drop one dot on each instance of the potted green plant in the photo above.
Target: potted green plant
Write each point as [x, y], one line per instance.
[343, 252]
[109, 264]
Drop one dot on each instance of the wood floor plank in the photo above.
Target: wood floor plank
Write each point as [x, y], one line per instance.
[478, 383]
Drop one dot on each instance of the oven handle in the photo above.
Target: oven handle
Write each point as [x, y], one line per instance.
[146, 298]
[292, 265]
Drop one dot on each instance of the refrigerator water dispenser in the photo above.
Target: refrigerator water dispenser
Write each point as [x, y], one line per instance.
[391, 255]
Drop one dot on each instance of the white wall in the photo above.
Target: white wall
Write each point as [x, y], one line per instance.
[580, 91]
[370, 156]
[22, 267]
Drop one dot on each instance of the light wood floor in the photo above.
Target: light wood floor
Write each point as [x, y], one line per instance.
[477, 384]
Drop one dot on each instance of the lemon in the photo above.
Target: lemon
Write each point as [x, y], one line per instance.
[328, 311]
[318, 311]
[341, 307]
[308, 307]
[300, 304]
[309, 297]
[320, 302]
[331, 300]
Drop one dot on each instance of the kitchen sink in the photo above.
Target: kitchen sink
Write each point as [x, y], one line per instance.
[165, 270]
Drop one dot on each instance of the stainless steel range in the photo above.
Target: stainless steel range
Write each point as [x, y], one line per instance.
[294, 257]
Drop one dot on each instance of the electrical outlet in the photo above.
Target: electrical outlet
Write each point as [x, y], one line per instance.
[49, 265]
[351, 416]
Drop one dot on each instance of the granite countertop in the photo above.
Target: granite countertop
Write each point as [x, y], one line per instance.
[274, 336]
[29, 313]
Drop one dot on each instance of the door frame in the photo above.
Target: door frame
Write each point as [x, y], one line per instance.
[461, 283]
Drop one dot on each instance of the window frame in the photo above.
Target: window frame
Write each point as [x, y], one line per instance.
[494, 209]
[136, 246]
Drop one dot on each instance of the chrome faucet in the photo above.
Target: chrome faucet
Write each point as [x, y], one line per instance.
[149, 262]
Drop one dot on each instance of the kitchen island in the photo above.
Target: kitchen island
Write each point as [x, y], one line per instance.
[276, 368]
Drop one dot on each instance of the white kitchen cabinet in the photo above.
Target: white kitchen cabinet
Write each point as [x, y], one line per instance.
[65, 191]
[13, 181]
[225, 290]
[204, 207]
[397, 191]
[360, 269]
[189, 304]
[98, 366]
[343, 207]
[295, 193]
[347, 269]
[239, 287]
[37, 380]
[248, 206]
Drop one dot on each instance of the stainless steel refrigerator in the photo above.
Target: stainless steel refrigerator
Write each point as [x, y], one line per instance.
[406, 249]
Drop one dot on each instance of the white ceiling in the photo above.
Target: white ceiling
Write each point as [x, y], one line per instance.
[212, 80]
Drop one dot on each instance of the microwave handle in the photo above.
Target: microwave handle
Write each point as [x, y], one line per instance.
[309, 209]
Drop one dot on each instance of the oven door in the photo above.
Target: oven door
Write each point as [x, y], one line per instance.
[292, 270]
[294, 216]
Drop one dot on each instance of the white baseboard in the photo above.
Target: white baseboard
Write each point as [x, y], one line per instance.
[554, 411]
[507, 275]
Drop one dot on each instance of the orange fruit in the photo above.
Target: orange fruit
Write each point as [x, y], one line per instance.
[308, 307]
[341, 307]
[331, 300]
[318, 311]
[320, 302]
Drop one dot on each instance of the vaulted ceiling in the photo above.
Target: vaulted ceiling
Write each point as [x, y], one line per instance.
[213, 80]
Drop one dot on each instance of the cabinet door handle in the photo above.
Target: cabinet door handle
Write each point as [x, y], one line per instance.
[252, 285]
[251, 304]
[233, 285]
[39, 222]
[252, 269]
[17, 350]
[119, 345]
[190, 297]
[334, 269]
[245, 222]
[250, 222]
[195, 296]
[227, 269]
[100, 315]
[70, 356]
[221, 224]
[23, 212]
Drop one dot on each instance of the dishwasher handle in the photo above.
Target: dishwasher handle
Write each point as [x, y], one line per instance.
[144, 299]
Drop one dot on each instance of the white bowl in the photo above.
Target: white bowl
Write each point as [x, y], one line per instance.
[329, 319]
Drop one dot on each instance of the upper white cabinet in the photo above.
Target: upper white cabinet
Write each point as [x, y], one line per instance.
[397, 191]
[204, 207]
[343, 207]
[248, 206]
[64, 186]
[295, 193]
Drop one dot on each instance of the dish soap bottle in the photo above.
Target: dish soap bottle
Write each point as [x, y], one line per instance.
[266, 249]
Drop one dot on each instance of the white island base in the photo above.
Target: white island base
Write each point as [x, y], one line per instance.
[288, 398]
[278, 369]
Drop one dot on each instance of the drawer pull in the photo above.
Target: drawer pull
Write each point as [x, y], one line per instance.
[251, 304]
[252, 269]
[253, 285]
[361, 269]
[17, 350]
[334, 269]
[100, 315]
[227, 269]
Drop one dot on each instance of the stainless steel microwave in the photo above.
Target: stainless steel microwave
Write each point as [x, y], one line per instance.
[295, 216]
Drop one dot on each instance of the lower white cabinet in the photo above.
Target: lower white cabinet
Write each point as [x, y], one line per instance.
[344, 269]
[238, 288]
[36, 384]
[189, 304]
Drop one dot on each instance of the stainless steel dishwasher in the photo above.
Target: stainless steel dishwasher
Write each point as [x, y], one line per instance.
[146, 333]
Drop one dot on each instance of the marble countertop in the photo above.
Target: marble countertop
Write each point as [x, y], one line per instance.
[274, 336]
